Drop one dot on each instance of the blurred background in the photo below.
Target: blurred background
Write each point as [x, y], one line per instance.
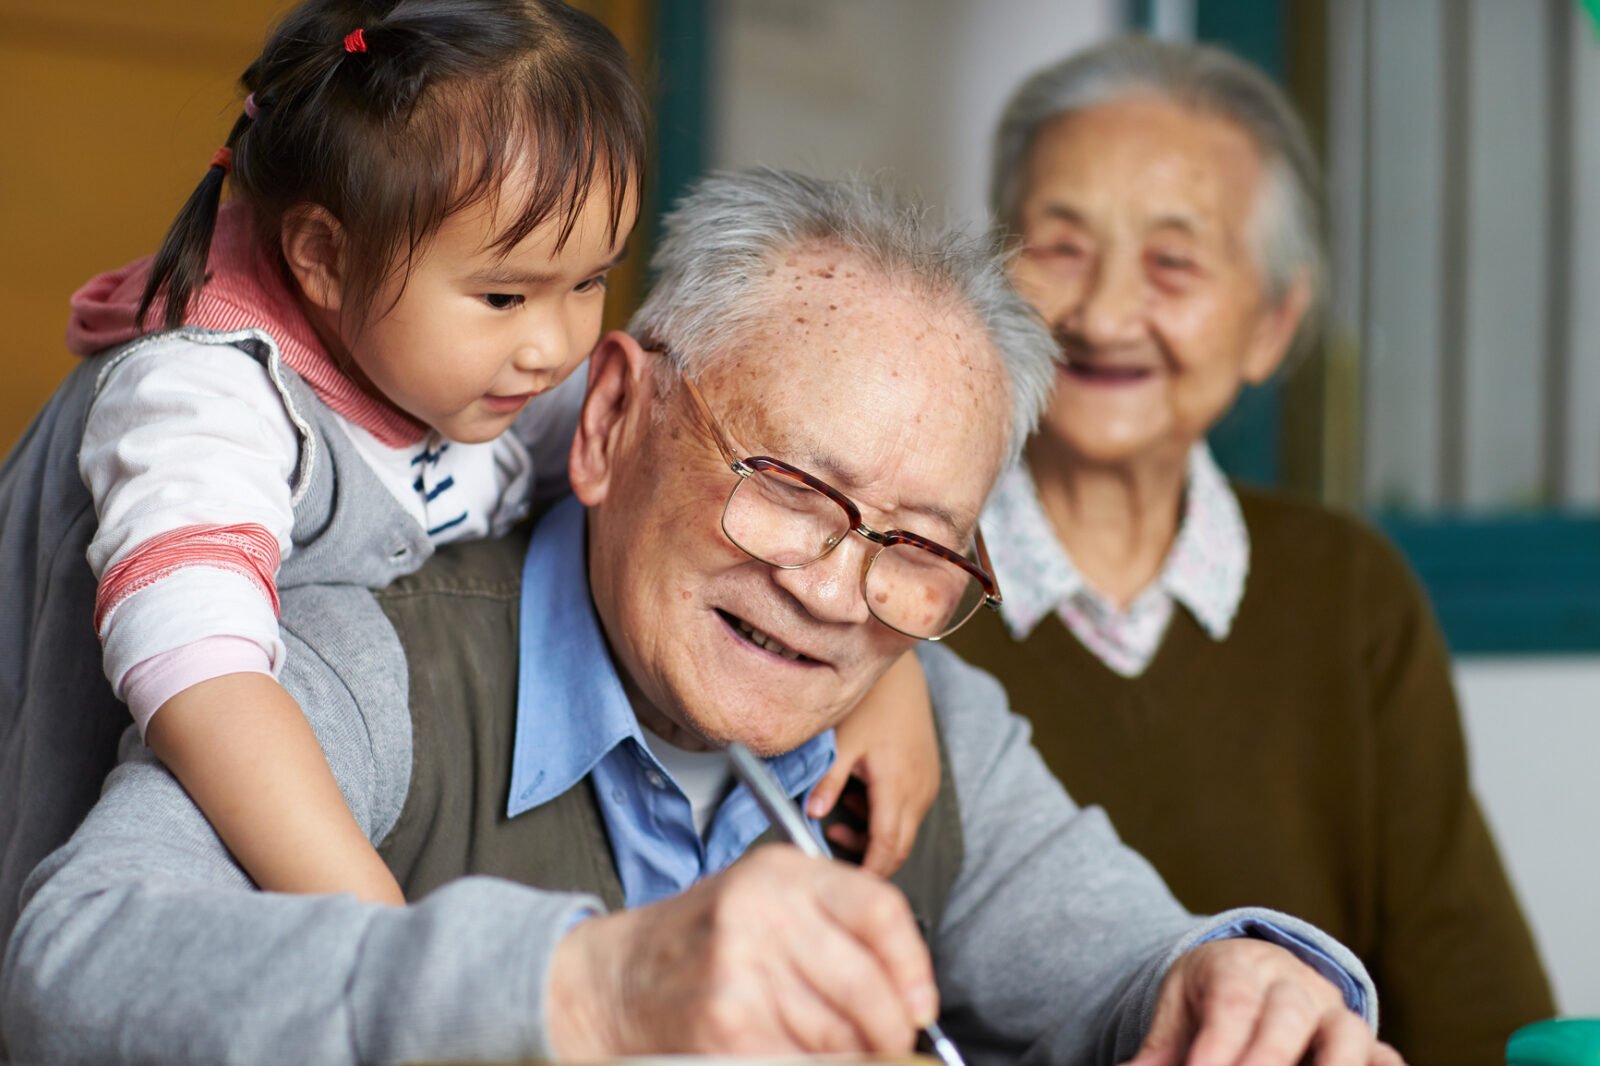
[1456, 401]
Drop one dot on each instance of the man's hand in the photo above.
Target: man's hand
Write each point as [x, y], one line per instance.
[779, 953]
[1250, 1003]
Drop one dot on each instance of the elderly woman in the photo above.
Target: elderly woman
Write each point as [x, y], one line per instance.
[1253, 688]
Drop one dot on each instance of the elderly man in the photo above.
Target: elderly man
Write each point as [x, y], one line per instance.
[711, 592]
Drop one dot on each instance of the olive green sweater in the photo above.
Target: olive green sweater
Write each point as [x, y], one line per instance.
[1312, 762]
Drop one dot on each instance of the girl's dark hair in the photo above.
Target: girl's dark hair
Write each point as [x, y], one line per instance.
[447, 102]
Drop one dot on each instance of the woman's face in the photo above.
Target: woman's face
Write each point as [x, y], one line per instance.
[1138, 222]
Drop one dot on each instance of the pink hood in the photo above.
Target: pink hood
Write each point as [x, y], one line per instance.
[243, 290]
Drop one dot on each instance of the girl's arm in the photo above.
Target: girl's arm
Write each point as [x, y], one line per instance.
[888, 741]
[244, 751]
[188, 452]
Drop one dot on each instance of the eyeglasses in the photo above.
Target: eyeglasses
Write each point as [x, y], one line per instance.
[782, 516]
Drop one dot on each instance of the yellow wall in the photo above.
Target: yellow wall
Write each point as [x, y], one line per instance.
[110, 112]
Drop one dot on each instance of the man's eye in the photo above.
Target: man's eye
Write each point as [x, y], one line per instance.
[591, 284]
[502, 301]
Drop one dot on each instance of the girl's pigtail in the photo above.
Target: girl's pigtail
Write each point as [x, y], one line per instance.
[179, 268]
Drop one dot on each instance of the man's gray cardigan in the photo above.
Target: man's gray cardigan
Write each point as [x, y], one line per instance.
[142, 941]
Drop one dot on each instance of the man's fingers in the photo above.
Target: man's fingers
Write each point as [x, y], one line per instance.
[1228, 1009]
[1152, 1056]
[1170, 1029]
[1343, 1039]
[1384, 1055]
[1285, 1030]
[878, 917]
[813, 1024]
[853, 985]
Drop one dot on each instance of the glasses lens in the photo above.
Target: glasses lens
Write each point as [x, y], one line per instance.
[781, 521]
[919, 593]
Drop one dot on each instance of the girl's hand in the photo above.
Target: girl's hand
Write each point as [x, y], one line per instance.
[888, 742]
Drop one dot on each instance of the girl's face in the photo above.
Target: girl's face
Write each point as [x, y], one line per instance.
[476, 333]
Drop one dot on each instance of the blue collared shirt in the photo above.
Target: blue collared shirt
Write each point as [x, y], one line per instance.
[575, 721]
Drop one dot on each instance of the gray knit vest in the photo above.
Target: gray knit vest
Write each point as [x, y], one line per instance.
[463, 609]
[59, 720]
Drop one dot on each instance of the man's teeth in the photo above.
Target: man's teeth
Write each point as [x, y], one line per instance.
[761, 640]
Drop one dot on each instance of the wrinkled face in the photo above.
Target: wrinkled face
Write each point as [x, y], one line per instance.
[1138, 248]
[892, 398]
[477, 333]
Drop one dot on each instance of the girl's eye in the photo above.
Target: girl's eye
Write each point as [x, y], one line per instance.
[591, 284]
[502, 301]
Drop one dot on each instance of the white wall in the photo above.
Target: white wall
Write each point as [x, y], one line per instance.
[907, 90]
[1533, 728]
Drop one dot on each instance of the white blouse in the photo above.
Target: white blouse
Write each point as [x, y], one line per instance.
[1205, 571]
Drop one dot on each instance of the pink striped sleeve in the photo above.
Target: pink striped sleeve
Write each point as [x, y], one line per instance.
[249, 550]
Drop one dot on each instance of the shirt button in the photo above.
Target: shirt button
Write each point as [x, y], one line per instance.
[616, 795]
[656, 780]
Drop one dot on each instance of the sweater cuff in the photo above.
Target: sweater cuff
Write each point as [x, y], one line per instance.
[1351, 987]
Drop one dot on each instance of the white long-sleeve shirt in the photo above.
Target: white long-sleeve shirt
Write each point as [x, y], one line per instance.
[189, 453]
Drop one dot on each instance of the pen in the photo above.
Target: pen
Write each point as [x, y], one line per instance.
[786, 818]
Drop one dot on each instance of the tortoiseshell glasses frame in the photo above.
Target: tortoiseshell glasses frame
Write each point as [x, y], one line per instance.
[941, 575]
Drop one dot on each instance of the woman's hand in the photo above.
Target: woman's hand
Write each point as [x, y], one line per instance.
[888, 742]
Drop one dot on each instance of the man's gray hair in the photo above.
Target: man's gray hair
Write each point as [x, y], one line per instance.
[1288, 212]
[718, 246]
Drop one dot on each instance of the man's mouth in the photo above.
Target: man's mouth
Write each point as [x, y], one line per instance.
[764, 641]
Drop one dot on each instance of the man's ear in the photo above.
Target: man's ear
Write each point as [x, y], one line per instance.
[313, 245]
[621, 384]
[1274, 333]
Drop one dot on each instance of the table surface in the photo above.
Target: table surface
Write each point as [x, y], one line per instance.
[706, 1060]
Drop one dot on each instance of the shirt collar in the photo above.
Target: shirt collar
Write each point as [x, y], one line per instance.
[1210, 561]
[572, 710]
[1205, 571]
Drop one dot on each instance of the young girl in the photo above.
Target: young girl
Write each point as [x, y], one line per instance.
[314, 384]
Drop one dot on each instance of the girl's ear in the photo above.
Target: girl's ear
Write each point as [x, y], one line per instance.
[621, 384]
[313, 244]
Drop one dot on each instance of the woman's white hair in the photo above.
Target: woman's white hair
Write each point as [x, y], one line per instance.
[716, 249]
[1288, 212]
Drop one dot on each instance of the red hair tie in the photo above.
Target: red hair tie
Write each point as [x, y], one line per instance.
[355, 41]
[223, 159]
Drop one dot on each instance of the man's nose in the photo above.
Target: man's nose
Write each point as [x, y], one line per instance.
[1111, 308]
[830, 588]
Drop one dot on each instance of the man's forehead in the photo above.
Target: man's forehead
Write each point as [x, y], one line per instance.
[844, 310]
[881, 393]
